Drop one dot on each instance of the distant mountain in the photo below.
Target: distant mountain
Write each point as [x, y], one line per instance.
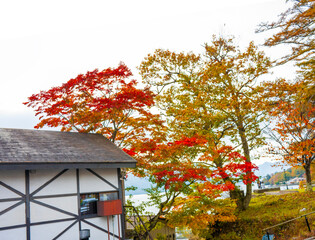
[269, 168]
[284, 176]
[143, 183]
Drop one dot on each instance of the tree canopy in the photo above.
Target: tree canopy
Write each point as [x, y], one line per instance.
[293, 107]
[295, 27]
[293, 112]
[195, 124]
[216, 95]
[105, 102]
[109, 103]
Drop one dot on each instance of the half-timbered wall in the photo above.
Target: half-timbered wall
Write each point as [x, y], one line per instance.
[45, 204]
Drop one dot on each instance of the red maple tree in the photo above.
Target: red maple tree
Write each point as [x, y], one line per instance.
[105, 102]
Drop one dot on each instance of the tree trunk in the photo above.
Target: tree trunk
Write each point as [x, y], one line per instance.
[248, 196]
[238, 196]
[307, 168]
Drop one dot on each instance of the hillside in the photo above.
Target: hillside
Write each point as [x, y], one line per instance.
[283, 176]
[267, 210]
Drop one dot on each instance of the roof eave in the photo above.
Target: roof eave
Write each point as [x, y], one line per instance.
[34, 166]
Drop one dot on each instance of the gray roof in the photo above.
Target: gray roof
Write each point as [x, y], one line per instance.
[40, 149]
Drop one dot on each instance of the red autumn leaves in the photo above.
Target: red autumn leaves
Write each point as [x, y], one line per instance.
[174, 173]
[105, 102]
[109, 103]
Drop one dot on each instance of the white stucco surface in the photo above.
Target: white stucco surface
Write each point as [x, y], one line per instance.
[15, 216]
[102, 222]
[15, 179]
[49, 231]
[90, 183]
[41, 213]
[13, 234]
[69, 204]
[66, 183]
[6, 193]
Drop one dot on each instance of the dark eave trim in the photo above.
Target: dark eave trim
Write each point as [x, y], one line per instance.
[34, 166]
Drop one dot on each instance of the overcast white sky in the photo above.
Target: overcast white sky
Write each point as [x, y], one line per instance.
[45, 43]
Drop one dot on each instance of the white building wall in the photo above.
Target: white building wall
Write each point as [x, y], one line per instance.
[90, 183]
[102, 221]
[50, 231]
[15, 216]
[13, 234]
[13, 178]
[65, 184]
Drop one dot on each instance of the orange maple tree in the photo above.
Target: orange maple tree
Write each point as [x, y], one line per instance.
[215, 95]
[293, 102]
[295, 27]
[294, 114]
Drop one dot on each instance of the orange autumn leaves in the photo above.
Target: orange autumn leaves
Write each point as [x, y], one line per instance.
[296, 128]
[199, 212]
[184, 145]
[295, 28]
[176, 160]
[202, 102]
[215, 94]
[293, 110]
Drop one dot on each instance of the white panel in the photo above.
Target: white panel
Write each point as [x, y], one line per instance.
[109, 174]
[69, 204]
[50, 231]
[13, 178]
[71, 234]
[40, 213]
[66, 183]
[13, 234]
[90, 183]
[94, 232]
[6, 193]
[39, 177]
[15, 216]
[102, 222]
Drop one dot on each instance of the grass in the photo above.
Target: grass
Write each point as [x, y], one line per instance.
[303, 189]
[268, 210]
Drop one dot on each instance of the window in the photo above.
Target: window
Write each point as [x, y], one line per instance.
[108, 196]
[88, 201]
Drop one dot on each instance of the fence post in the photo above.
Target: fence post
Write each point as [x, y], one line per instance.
[308, 225]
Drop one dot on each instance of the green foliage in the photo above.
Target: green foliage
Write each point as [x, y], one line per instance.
[160, 237]
[131, 188]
